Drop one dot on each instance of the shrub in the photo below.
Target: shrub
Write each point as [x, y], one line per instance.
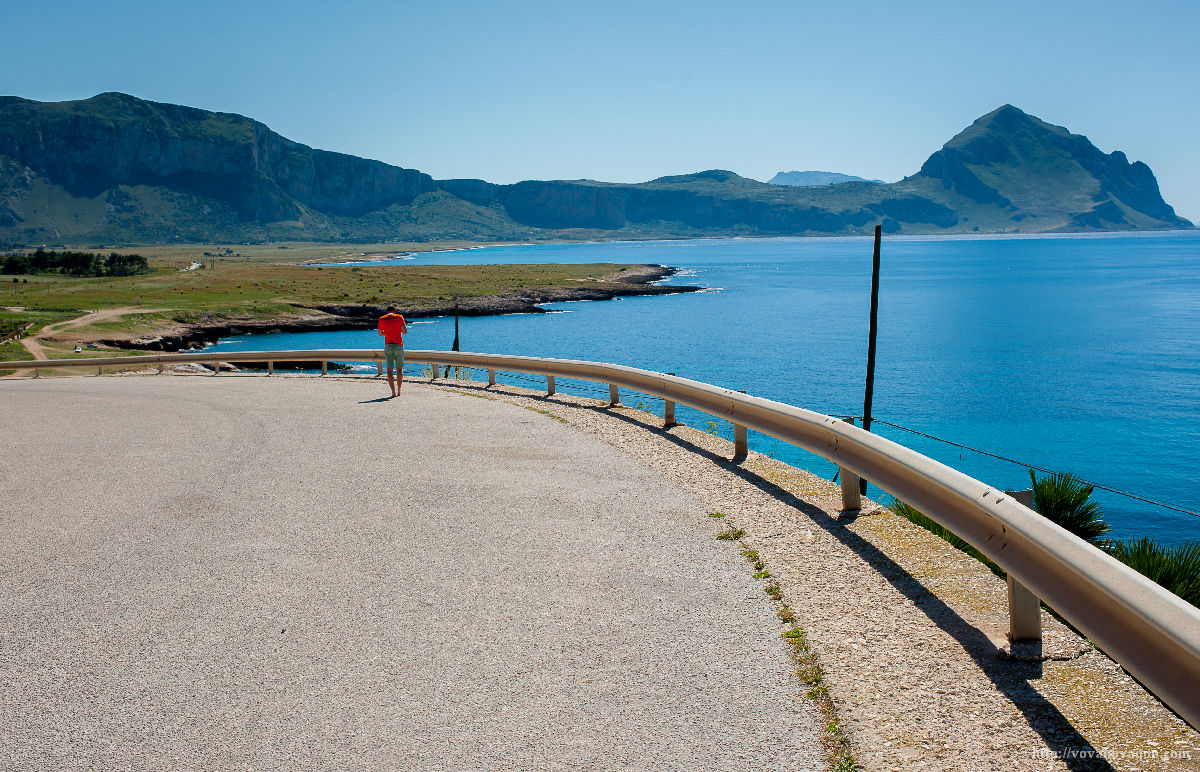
[1175, 568]
[1064, 500]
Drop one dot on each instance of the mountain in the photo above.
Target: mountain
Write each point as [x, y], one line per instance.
[117, 169]
[810, 179]
[1036, 171]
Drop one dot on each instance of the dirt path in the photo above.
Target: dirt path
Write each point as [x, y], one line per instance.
[33, 343]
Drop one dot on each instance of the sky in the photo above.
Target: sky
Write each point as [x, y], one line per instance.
[629, 91]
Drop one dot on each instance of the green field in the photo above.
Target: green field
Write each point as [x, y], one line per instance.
[254, 283]
[261, 289]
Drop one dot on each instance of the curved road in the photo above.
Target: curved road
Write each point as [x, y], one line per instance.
[286, 573]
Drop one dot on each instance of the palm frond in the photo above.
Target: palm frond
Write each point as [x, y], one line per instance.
[1065, 500]
[1175, 568]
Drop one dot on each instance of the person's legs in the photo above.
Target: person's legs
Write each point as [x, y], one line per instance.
[399, 368]
[389, 355]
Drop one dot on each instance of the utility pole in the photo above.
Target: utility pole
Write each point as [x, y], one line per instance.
[866, 420]
[873, 332]
[455, 346]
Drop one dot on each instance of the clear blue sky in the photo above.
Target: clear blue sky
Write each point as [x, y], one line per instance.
[629, 91]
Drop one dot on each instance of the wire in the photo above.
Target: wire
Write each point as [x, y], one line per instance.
[1039, 468]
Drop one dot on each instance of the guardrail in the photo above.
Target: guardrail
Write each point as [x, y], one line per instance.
[1152, 633]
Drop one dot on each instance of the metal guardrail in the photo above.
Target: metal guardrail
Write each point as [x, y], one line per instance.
[1152, 633]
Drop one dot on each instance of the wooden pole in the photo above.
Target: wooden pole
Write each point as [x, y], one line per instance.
[870, 390]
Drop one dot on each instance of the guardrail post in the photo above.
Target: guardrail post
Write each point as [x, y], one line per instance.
[851, 492]
[491, 377]
[324, 367]
[669, 412]
[161, 367]
[1024, 608]
[549, 385]
[37, 372]
[740, 445]
[216, 366]
[270, 367]
[100, 370]
[614, 396]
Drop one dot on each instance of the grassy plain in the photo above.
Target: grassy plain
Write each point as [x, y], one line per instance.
[258, 282]
[261, 289]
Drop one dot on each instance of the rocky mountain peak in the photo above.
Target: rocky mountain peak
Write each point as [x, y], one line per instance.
[1011, 159]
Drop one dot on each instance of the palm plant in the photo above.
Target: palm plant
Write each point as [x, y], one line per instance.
[1175, 568]
[1064, 499]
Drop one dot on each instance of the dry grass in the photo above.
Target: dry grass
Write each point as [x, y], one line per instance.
[243, 290]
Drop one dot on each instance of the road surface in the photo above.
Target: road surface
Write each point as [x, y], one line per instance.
[293, 573]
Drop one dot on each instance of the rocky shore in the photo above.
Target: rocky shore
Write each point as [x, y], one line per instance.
[636, 280]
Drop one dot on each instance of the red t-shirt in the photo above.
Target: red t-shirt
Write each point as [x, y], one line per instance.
[393, 328]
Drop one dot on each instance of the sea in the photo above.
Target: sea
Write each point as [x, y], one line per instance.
[1075, 353]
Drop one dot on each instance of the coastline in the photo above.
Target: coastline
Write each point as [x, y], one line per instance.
[414, 251]
[633, 281]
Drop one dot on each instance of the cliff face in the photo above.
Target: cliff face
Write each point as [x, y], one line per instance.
[119, 169]
[113, 139]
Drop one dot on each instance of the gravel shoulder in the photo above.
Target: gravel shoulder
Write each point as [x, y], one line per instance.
[910, 631]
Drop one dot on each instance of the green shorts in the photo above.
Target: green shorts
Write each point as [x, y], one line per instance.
[393, 354]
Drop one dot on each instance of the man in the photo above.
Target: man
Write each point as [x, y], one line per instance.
[392, 327]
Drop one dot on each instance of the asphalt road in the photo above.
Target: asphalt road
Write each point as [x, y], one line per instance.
[281, 573]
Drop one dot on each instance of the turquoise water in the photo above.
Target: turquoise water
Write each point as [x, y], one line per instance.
[1075, 353]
